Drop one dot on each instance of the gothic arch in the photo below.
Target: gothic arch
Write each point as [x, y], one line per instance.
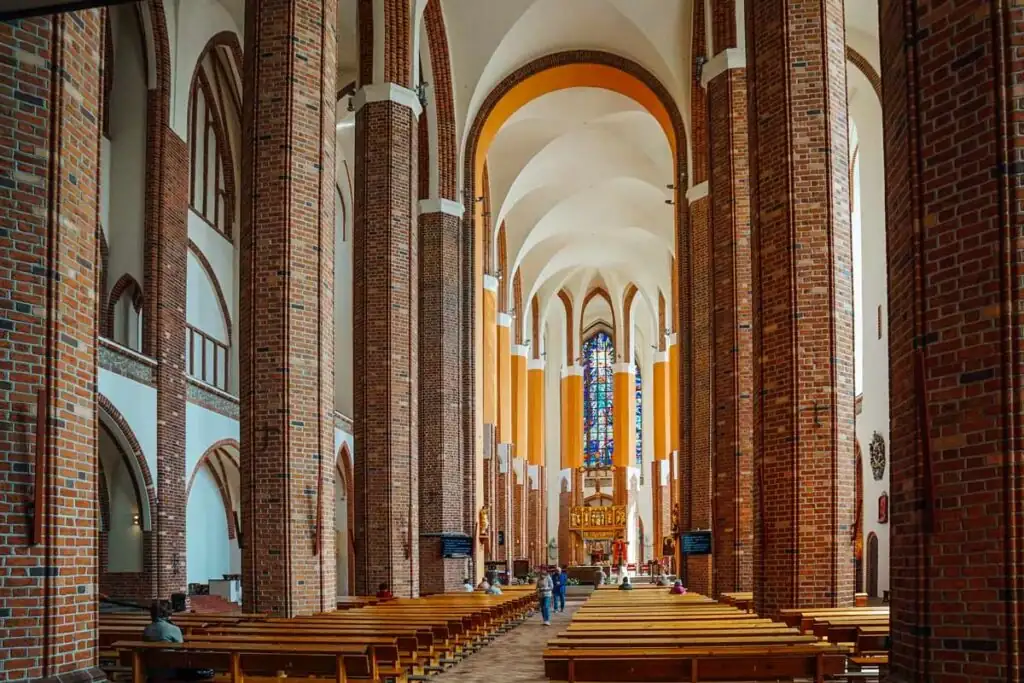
[345, 472]
[123, 284]
[221, 299]
[216, 455]
[117, 426]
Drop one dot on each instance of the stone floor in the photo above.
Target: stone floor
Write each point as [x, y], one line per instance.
[514, 657]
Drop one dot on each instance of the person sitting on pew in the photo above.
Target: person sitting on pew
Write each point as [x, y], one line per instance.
[677, 588]
[384, 592]
[625, 585]
[483, 586]
[467, 586]
[161, 630]
[494, 588]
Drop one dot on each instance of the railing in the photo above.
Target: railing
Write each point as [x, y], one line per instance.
[209, 360]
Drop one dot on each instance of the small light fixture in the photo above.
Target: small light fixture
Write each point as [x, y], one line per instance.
[700, 62]
[135, 519]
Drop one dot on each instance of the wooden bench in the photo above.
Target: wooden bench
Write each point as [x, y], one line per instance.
[238, 660]
[804, 618]
[693, 664]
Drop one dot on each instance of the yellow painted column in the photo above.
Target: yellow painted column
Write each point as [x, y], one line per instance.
[490, 350]
[624, 415]
[519, 403]
[535, 410]
[572, 417]
[662, 433]
[504, 378]
[623, 427]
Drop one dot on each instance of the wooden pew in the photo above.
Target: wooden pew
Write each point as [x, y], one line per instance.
[240, 659]
[693, 664]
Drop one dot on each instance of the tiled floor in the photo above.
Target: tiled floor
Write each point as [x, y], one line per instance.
[514, 657]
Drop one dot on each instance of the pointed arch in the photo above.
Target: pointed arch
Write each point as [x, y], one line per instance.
[125, 287]
[221, 299]
[444, 183]
[344, 467]
[215, 111]
[217, 459]
[570, 339]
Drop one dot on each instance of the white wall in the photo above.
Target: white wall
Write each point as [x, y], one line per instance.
[127, 173]
[124, 537]
[137, 404]
[209, 553]
[202, 308]
[869, 218]
[203, 428]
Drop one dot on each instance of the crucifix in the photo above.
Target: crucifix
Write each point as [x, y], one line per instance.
[817, 407]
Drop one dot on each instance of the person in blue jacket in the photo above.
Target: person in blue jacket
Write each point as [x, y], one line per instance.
[557, 592]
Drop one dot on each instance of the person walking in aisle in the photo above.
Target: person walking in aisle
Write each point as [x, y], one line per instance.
[563, 584]
[544, 589]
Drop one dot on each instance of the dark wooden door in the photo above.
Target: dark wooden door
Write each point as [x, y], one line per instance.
[872, 565]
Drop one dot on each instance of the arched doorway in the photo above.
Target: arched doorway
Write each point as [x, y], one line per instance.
[872, 565]
[344, 523]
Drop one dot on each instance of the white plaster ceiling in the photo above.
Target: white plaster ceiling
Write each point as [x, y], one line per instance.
[579, 177]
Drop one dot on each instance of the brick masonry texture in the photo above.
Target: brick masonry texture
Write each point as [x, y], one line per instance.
[286, 308]
[166, 237]
[50, 112]
[953, 216]
[386, 355]
[803, 305]
[733, 363]
[440, 376]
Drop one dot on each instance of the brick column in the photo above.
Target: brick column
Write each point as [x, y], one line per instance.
[697, 447]
[803, 305]
[51, 105]
[386, 324]
[953, 217]
[166, 249]
[726, 80]
[440, 391]
[286, 308]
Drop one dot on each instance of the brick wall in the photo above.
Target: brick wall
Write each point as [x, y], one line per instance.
[286, 309]
[564, 535]
[50, 111]
[803, 303]
[441, 462]
[953, 216]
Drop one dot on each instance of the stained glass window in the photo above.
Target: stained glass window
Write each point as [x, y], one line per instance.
[639, 417]
[598, 389]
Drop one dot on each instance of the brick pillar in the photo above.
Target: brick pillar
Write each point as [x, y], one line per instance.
[803, 305]
[51, 104]
[504, 538]
[440, 376]
[286, 308]
[519, 486]
[697, 447]
[166, 248]
[385, 320]
[565, 545]
[953, 217]
[725, 76]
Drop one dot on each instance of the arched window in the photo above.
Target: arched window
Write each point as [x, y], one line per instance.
[214, 112]
[639, 415]
[598, 389]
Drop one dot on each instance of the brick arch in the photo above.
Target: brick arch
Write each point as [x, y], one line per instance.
[861, 63]
[116, 292]
[517, 306]
[443, 101]
[219, 478]
[343, 464]
[136, 460]
[221, 299]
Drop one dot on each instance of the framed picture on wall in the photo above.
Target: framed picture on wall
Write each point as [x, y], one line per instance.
[883, 508]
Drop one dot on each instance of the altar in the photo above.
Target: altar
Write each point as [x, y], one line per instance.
[603, 532]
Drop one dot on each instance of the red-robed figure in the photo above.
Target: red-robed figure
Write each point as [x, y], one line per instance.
[618, 552]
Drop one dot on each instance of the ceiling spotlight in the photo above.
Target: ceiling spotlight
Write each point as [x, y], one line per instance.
[670, 202]
[670, 186]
